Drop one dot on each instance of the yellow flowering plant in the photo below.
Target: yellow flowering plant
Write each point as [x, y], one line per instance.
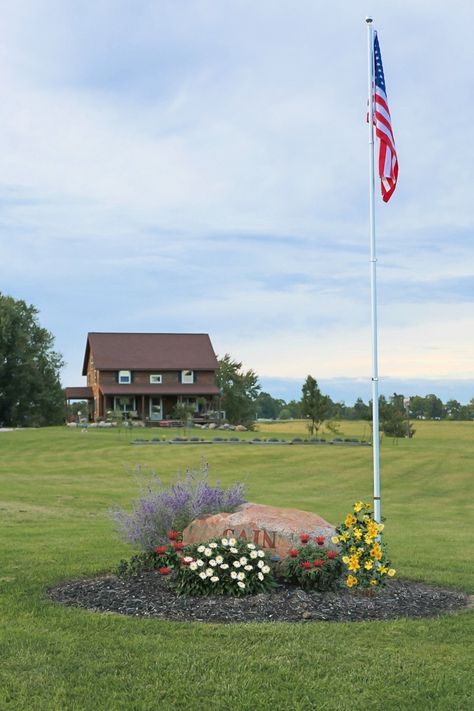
[365, 563]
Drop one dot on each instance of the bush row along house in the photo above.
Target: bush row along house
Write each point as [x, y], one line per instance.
[147, 375]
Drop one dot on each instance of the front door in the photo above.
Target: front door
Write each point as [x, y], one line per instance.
[156, 408]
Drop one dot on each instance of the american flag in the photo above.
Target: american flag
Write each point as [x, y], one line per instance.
[387, 154]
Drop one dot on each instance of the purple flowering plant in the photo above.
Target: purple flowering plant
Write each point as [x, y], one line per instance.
[163, 507]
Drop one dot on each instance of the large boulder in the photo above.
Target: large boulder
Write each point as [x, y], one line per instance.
[277, 529]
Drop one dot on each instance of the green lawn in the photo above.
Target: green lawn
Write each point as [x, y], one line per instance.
[56, 486]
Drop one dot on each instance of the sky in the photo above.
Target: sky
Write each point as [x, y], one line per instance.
[202, 166]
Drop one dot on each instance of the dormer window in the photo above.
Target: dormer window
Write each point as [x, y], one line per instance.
[187, 377]
[156, 379]
[125, 377]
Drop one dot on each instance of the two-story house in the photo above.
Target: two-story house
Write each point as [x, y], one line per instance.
[146, 375]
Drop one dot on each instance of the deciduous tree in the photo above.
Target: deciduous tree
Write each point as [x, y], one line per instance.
[30, 390]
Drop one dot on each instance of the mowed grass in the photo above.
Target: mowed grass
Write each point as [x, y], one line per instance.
[56, 487]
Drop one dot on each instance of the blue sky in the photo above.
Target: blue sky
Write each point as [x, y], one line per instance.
[202, 166]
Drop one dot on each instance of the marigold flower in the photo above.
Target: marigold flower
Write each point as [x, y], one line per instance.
[358, 506]
[173, 535]
[318, 563]
[354, 563]
[372, 529]
[391, 572]
[350, 520]
[293, 553]
[344, 537]
[345, 559]
[381, 526]
[335, 540]
[351, 581]
[161, 550]
[368, 539]
[383, 570]
[306, 565]
[164, 570]
[373, 582]
[368, 565]
[376, 551]
[304, 538]
[357, 534]
[320, 540]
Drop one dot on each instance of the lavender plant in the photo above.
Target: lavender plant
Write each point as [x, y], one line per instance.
[161, 508]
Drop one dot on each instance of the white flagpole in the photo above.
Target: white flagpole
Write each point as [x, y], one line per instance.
[373, 280]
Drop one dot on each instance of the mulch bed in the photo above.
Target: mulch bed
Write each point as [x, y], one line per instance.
[151, 595]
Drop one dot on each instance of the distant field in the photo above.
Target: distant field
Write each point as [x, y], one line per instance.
[56, 487]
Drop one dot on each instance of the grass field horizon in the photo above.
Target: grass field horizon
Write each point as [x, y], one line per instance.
[57, 488]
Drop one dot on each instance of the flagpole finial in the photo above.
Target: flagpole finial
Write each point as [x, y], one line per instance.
[368, 20]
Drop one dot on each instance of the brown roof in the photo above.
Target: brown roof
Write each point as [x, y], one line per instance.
[80, 393]
[173, 389]
[150, 351]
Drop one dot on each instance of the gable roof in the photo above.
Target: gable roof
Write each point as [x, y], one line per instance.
[150, 351]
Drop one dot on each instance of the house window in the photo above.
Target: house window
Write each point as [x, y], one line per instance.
[124, 404]
[187, 376]
[156, 379]
[125, 377]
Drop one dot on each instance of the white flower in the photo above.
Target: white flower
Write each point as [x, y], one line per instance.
[243, 560]
[200, 562]
[219, 559]
[232, 541]
[213, 545]
[201, 549]
[213, 562]
[233, 574]
[266, 569]
[234, 550]
[253, 554]
[188, 559]
[202, 576]
[249, 567]
[193, 566]
[214, 579]
[208, 552]
[261, 554]
[251, 546]
[241, 576]
[260, 564]
[224, 566]
[241, 584]
[236, 564]
[260, 576]
[209, 572]
[224, 541]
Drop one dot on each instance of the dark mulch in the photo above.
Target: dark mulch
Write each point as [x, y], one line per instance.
[150, 595]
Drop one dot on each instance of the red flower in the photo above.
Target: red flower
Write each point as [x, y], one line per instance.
[304, 538]
[318, 563]
[164, 571]
[320, 540]
[306, 565]
[178, 546]
[293, 553]
[185, 562]
[332, 555]
[172, 535]
[161, 550]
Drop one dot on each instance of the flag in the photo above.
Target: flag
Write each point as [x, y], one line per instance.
[387, 154]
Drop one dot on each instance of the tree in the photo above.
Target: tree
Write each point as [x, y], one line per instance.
[361, 410]
[268, 407]
[239, 390]
[314, 405]
[30, 390]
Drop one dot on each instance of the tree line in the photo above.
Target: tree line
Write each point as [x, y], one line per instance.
[31, 393]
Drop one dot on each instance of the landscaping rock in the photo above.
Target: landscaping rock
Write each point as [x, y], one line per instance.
[277, 529]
